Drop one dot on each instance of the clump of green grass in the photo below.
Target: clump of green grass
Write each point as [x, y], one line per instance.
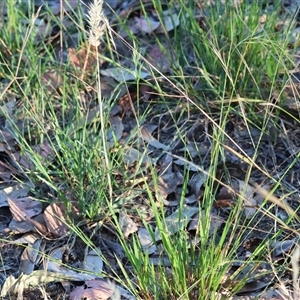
[233, 50]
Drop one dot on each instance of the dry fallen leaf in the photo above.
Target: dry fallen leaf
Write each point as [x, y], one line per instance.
[85, 59]
[173, 224]
[247, 192]
[55, 218]
[127, 225]
[146, 241]
[53, 263]
[93, 261]
[197, 181]
[170, 22]
[182, 162]
[158, 59]
[44, 150]
[282, 247]
[14, 192]
[14, 285]
[215, 224]
[35, 224]
[24, 208]
[52, 80]
[131, 155]
[126, 102]
[7, 140]
[56, 7]
[167, 184]
[30, 257]
[147, 137]
[146, 25]
[98, 289]
[122, 75]
[115, 132]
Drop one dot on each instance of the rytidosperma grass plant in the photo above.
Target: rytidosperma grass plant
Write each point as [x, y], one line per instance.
[228, 58]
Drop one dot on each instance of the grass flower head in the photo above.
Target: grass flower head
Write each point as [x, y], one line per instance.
[97, 22]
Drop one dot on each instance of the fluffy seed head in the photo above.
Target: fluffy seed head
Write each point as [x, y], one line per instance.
[97, 22]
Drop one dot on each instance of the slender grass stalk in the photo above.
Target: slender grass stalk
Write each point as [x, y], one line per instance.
[98, 24]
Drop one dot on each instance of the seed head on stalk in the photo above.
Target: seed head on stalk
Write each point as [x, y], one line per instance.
[97, 22]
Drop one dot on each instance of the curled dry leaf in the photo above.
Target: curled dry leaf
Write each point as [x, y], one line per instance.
[197, 182]
[147, 137]
[35, 224]
[115, 133]
[24, 208]
[52, 80]
[127, 225]
[55, 218]
[215, 224]
[282, 247]
[98, 289]
[146, 241]
[14, 285]
[93, 261]
[85, 59]
[170, 22]
[174, 224]
[132, 155]
[247, 192]
[146, 25]
[30, 257]
[53, 263]
[14, 192]
[122, 75]
[158, 59]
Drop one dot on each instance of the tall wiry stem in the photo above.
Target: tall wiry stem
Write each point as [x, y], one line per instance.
[98, 24]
